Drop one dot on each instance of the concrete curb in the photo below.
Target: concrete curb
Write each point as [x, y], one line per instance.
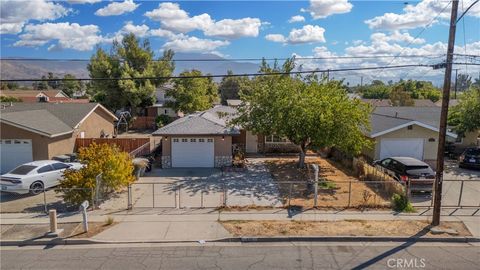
[85, 241]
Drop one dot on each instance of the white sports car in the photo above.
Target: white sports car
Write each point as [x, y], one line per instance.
[34, 177]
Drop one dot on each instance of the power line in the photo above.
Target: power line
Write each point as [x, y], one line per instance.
[465, 12]
[228, 75]
[237, 59]
[419, 33]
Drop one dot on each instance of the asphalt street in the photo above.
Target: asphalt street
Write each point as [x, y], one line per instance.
[245, 256]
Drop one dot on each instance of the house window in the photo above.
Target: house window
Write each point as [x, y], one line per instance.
[175, 140]
[201, 140]
[275, 139]
[193, 140]
[184, 140]
[209, 140]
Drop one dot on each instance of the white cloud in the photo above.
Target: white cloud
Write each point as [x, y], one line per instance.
[163, 33]
[323, 8]
[419, 15]
[194, 44]
[307, 34]
[228, 28]
[117, 8]
[73, 2]
[16, 13]
[396, 36]
[138, 30]
[276, 38]
[68, 36]
[296, 18]
[175, 19]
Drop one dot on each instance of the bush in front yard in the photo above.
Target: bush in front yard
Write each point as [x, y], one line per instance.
[115, 166]
[401, 203]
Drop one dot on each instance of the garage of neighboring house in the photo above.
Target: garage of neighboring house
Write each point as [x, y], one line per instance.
[401, 137]
[13, 152]
[39, 131]
[201, 140]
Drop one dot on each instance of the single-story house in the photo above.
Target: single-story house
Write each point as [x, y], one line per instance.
[201, 139]
[388, 103]
[37, 131]
[405, 131]
[32, 96]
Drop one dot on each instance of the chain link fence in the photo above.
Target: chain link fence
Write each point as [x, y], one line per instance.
[30, 201]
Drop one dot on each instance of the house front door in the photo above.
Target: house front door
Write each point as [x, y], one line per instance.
[251, 142]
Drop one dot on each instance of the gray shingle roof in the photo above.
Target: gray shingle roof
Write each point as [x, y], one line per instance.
[210, 122]
[48, 118]
[381, 123]
[425, 115]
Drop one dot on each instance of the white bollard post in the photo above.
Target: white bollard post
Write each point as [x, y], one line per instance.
[83, 208]
[54, 230]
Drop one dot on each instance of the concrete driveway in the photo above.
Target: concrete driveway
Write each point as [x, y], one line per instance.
[201, 187]
[454, 177]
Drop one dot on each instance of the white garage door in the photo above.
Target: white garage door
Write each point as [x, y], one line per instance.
[14, 152]
[401, 148]
[192, 152]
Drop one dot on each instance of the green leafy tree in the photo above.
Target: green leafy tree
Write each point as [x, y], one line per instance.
[308, 113]
[40, 85]
[193, 94]
[230, 87]
[70, 87]
[52, 84]
[10, 99]
[465, 116]
[400, 97]
[127, 59]
[376, 91]
[115, 166]
[9, 86]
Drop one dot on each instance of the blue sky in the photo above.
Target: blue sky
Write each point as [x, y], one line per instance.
[237, 29]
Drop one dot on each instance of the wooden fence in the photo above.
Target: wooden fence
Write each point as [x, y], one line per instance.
[143, 122]
[125, 144]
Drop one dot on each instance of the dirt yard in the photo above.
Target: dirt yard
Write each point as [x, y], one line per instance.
[339, 228]
[334, 192]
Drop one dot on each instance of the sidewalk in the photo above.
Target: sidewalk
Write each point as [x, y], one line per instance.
[201, 224]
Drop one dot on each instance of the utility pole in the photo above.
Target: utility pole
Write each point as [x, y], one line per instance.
[361, 81]
[437, 202]
[456, 78]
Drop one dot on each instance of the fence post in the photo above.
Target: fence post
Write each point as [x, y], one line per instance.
[201, 198]
[290, 194]
[224, 194]
[98, 179]
[461, 192]
[315, 200]
[93, 199]
[129, 196]
[45, 201]
[153, 195]
[175, 197]
[349, 193]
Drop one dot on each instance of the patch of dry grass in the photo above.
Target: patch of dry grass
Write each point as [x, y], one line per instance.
[338, 228]
[364, 194]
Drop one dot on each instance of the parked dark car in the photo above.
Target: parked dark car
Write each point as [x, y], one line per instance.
[470, 158]
[404, 169]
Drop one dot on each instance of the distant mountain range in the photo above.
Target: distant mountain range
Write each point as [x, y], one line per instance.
[32, 69]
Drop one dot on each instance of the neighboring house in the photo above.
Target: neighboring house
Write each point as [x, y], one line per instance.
[32, 96]
[161, 105]
[199, 140]
[36, 131]
[234, 102]
[405, 131]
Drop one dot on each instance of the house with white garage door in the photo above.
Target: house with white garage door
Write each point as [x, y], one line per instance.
[405, 131]
[38, 131]
[201, 139]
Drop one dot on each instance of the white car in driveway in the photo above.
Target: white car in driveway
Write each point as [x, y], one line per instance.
[34, 177]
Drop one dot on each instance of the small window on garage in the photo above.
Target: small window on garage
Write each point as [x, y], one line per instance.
[8, 142]
[201, 140]
[184, 140]
[175, 140]
[193, 140]
[209, 140]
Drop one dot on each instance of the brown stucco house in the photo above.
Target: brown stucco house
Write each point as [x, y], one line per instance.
[37, 131]
[32, 96]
